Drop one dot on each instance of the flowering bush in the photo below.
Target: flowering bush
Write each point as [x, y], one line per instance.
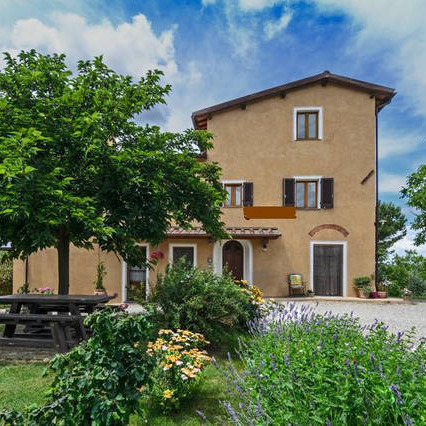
[200, 301]
[179, 362]
[304, 368]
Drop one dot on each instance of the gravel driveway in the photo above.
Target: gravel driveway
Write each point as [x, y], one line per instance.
[398, 317]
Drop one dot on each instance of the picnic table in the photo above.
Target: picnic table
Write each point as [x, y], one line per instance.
[49, 320]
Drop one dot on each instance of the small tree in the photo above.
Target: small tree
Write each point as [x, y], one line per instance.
[76, 168]
[391, 228]
[415, 193]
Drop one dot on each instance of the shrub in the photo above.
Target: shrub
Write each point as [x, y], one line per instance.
[6, 274]
[417, 285]
[200, 301]
[99, 381]
[303, 368]
[179, 362]
[360, 282]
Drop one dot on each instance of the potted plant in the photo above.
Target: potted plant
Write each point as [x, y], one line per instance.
[99, 281]
[359, 284]
[310, 293]
[366, 291]
[382, 289]
[406, 294]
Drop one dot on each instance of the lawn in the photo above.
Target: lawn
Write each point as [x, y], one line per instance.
[23, 384]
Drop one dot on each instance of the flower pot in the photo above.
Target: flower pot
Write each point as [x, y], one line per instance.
[382, 294]
[361, 294]
[101, 292]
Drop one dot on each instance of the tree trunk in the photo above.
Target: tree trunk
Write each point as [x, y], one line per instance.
[63, 260]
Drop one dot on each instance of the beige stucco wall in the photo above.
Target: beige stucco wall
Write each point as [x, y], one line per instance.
[256, 145]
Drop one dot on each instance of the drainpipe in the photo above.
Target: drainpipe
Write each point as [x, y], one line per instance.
[376, 223]
[26, 270]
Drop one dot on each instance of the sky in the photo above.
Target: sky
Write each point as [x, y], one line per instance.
[215, 50]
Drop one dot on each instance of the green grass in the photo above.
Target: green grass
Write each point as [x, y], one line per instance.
[22, 384]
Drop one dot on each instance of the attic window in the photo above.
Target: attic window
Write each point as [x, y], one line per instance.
[307, 123]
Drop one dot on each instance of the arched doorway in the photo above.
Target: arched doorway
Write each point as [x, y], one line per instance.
[233, 258]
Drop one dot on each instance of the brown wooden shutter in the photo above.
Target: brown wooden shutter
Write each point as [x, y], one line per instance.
[247, 193]
[289, 192]
[327, 193]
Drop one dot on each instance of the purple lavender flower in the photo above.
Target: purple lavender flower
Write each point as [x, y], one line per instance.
[230, 410]
[396, 392]
[200, 413]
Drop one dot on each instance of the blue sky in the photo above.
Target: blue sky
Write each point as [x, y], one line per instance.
[215, 50]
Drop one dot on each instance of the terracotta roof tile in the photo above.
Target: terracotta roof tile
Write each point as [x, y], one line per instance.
[235, 231]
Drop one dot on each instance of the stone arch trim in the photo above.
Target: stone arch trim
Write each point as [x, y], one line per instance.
[332, 226]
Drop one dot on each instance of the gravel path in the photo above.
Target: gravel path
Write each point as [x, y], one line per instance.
[398, 317]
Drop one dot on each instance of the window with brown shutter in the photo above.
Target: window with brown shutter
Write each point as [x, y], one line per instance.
[234, 194]
[307, 194]
[327, 193]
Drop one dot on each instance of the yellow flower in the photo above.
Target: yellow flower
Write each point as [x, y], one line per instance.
[168, 393]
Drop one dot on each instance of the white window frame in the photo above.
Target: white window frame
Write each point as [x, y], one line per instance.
[172, 245]
[124, 274]
[308, 109]
[345, 263]
[315, 178]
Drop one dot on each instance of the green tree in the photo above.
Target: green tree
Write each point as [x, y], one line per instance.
[415, 193]
[75, 166]
[392, 227]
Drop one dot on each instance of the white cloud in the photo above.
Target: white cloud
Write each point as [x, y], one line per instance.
[131, 47]
[407, 243]
[208, 2]
[272, 28]
[391, 183]
[393, 143]
[394, 32]
[256, 5]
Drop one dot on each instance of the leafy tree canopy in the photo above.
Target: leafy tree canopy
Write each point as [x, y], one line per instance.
[415, 193]
[75, 166]
[391, 227]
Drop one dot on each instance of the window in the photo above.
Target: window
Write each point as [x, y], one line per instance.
[307, 125]
[307, 194]
[137, 279]
[234, 194]
[183, 251]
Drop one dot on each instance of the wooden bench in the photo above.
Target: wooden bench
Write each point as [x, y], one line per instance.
[60, 327]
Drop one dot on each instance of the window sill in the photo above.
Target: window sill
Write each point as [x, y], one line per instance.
[308, 140]
[308, 208]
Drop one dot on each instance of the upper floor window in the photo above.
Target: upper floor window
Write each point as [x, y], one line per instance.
[307, 123]
[307, 194]
[234, 194]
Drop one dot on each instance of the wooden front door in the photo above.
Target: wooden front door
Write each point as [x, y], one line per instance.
[233, 259]
[328, 269]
